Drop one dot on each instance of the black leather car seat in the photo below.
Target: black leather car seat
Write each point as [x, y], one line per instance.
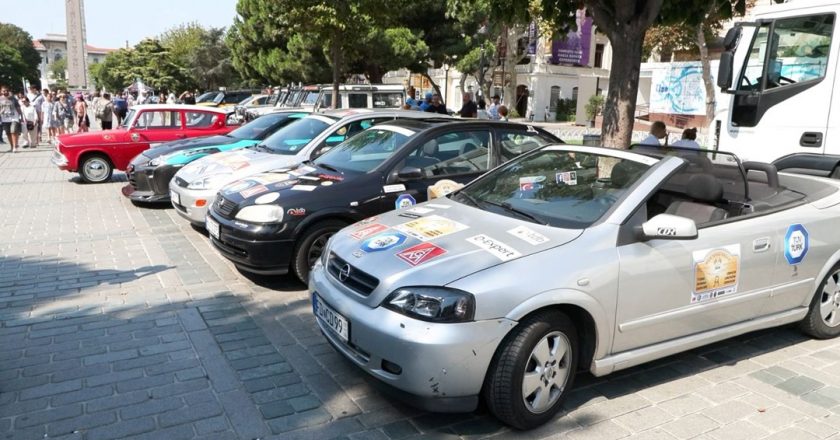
[704, 190]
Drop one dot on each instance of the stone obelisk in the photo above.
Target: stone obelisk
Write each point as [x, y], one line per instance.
[77, 75]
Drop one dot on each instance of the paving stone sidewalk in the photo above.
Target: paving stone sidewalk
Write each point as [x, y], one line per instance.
[122, 322]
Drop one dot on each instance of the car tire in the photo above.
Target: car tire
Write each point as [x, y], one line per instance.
[96, 168]
[517, 361]
[823, 319]
[309, 246]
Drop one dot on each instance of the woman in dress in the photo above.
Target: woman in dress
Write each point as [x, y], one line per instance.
[47, 111]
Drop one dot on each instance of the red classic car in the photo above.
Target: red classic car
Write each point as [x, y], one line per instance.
[95, 155]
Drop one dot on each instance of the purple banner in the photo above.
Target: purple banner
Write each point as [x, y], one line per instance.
[574, 49]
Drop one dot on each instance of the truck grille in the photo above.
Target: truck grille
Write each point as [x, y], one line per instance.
[356, 280]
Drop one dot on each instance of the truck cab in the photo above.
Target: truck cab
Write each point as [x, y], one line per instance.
[779, 72]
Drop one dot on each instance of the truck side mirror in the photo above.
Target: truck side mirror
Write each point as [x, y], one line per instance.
[730, 41]
[724, 76]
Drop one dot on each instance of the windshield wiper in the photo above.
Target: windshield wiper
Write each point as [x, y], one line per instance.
[508, 207]
[329, 167]
[469, 198]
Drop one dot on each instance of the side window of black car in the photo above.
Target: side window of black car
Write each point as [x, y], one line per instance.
[346, 132]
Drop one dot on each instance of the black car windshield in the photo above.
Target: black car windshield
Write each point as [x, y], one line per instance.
[290, 139]
[561, 188]
[215, 97]
[256, 128]
[366, 150]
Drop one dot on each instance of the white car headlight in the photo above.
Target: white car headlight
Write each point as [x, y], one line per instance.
[156, 161]
[261, 214]
[209, 182]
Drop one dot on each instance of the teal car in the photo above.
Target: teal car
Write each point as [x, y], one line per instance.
[150, 172]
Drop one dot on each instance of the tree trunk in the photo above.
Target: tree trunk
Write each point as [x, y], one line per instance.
[335, 49]
[620, 105]
[512, 34]
[707, 73]
[433, 83]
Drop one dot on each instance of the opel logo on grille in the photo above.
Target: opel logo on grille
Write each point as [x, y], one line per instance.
[344, 273]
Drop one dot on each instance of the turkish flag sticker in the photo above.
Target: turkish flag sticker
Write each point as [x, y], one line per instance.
[420, 253]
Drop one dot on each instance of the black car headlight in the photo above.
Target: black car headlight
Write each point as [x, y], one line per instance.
[433, 304]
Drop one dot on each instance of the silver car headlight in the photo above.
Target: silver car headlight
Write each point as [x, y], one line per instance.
[156, 161]
[209, 182]
[261, 214]
[433, 304]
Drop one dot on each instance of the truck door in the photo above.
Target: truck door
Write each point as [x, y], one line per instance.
[783, 91]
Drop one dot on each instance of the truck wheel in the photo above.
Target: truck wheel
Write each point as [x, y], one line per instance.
[310, 247]
[96, 169]
[533, 370]
[823, 320]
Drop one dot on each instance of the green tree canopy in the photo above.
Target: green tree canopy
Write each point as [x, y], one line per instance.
[24, 64]
[203, 52]
[148, 61]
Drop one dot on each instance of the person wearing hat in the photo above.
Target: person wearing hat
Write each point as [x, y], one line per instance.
[427, 102]
[493, 110]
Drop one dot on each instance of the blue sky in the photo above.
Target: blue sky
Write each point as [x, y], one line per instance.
[110, 23]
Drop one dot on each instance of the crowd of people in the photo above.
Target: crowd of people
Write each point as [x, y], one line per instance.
[432, 103]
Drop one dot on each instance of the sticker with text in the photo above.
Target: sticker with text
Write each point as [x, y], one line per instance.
[715, 272]
[494, 247]
[383, 242]
[420, 253]
[368, 230]
[431, 227]
[528, 235]
[567, 178]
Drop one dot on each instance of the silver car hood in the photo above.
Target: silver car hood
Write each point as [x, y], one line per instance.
[237, 164]
[471, 240]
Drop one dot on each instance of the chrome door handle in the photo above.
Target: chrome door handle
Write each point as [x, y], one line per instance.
[761, 244]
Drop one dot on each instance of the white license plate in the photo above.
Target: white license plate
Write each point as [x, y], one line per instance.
[212, 227]
[175, 197]
[332, 319]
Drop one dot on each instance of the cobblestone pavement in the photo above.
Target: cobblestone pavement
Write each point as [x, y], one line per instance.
[123, 322]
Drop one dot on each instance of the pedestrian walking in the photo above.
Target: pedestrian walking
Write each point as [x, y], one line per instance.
[187, 98]
[10, 117]
[493, 110]
[95, 103]
[437, 106]
[48, 111]
[63, 113]
[106, 112]
[29, 124]
[468, 107]
[120, 108]
[37, 100]
[82, 119]
[482, 110]
[658, 131]
[688, 139]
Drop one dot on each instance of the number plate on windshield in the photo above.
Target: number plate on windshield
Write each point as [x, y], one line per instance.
[337, 323]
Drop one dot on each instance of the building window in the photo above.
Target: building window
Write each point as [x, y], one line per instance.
[554, 98]
[574, 94]
[599, 56]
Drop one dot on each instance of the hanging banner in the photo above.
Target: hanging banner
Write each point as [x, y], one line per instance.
[574, 48]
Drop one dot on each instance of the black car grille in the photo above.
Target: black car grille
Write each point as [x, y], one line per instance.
[358, 281]
[138, 180]
[224, 207]
[181, 182]
[162, 175]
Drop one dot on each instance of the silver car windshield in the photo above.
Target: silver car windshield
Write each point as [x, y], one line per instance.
[366, 150]
[564, 189]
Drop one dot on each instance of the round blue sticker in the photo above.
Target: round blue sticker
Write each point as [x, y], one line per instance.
[796, 243]
[383, 242]
[405, 201]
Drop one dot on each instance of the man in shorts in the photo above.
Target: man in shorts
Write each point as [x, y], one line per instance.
[10, 117]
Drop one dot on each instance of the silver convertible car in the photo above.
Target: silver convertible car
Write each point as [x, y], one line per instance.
[571, 258]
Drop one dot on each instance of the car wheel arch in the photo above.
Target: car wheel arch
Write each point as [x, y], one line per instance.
[88, 153]
[830, 262]
[322, 216]
[589, 317]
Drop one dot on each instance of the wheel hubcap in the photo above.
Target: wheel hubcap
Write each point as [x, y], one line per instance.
[830, 301]
[96, 169]
[546, 372]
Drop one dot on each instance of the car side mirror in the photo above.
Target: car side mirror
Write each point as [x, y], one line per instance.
[410, 173]
[668, 227]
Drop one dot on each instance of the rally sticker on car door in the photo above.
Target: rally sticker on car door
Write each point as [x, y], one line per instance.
[715, 272]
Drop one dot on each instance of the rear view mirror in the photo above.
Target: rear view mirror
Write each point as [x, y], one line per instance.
[724, 76]
[668, 227]
[410, 173]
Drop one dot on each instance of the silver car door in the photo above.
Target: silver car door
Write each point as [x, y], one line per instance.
[669, 289]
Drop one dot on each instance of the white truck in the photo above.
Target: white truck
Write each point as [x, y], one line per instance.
[781, 72]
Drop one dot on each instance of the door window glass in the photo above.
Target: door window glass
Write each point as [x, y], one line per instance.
[452, 153]
[159, 119]
[346, 132]
[357, 100]
[387, 100]
[798, 52]
[515, 142]
[200, 119]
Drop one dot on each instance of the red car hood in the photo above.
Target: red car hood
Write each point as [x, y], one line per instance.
[91, 137]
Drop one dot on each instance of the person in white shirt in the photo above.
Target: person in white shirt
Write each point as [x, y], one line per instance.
[29, 124]
[688, 139]
[657, 131]
[493, 110]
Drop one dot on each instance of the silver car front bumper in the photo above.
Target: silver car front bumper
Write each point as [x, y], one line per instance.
[442, 365]
[186, 203]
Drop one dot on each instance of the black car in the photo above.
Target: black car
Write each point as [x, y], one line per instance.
[149, 173]
[281, 220]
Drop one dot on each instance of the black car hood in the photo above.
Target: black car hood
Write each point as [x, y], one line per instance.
[301, 180]
[183, 144]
